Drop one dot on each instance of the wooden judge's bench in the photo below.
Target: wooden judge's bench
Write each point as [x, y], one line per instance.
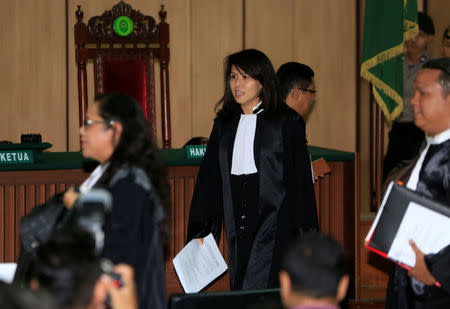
[337, 194]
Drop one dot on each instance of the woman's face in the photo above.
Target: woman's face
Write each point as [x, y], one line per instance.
[245, 89]
[98, 139]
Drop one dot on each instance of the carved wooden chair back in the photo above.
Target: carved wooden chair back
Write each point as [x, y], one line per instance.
[123, 44]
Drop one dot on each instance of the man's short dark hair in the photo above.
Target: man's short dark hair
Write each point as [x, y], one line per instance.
[67, 268]
[443, 65]
[294, 75]
[425, 23]
[315, 265]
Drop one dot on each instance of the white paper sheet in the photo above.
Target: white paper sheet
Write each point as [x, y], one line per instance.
[7, 271]
[198, 265]
[428, 229]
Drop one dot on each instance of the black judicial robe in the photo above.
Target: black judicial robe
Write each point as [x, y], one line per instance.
[285, 201]
[434, 182]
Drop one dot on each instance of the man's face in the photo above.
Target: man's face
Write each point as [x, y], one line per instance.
[419, 44]
[431, 109]
[301, 100]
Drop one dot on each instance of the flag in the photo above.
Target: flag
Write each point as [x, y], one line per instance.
[387, 25]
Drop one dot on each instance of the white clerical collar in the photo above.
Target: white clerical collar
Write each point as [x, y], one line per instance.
[435, 140]
[93, 178]
[439, 138]
[243, 160]
[257, 106]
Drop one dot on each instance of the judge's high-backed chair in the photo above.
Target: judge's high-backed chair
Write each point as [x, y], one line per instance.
[123, 43]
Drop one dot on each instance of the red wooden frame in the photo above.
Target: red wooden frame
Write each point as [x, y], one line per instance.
[97, 39]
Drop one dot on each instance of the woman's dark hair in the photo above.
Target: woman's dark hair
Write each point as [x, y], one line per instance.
[258, 66]
[136, 148]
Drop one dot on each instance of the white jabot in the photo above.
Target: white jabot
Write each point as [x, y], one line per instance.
[243, 161]
[437, 139]
[93, 178]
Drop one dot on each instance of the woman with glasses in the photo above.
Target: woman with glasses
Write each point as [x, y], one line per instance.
[255, 176]
[116, 135]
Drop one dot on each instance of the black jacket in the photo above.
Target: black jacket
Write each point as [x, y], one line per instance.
[434, 182]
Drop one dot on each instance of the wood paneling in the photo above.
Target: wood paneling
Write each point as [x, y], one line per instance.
[216, 32]
[321, 34]
[203, 32]
[32, 83]
[269, 27]
[374, 270]
[20, 191]
[182, 181]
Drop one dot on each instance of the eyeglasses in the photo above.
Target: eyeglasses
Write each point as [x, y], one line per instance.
[313, 91]
[89, 122]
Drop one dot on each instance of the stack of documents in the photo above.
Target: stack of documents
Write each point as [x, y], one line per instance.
[198, 265]
[404, 214]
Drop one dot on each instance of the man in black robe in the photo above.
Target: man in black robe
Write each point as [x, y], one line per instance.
[429, 282]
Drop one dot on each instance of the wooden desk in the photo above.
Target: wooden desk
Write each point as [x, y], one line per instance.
[23, 188]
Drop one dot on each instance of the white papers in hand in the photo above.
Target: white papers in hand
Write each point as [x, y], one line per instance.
[428, 229]
[198, 265]
[7, 271]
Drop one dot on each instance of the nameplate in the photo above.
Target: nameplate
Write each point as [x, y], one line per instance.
[16, 156]
[195, 151]
[22, 153]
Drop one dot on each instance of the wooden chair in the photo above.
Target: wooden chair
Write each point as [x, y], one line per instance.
[123, 44]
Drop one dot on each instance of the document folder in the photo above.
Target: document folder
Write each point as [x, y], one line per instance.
[405, 214]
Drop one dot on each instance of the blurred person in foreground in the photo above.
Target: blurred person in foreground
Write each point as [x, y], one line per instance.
[313, 273]
[117, 136]
[67, 268]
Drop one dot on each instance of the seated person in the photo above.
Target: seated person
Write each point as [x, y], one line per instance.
[313, 273]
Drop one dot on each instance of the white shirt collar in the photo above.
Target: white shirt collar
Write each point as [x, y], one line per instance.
[257, 106]
[435, 140]
[93, 177]
[439, 138]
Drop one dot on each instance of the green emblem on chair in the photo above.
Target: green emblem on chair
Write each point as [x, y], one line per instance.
[123, 25]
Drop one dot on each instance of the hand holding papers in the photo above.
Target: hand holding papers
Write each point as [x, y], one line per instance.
[197, 265]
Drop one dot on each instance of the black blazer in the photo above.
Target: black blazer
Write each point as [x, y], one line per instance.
[286, 203]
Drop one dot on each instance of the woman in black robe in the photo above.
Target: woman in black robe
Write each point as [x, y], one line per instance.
[256, 174]
[116, 135]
